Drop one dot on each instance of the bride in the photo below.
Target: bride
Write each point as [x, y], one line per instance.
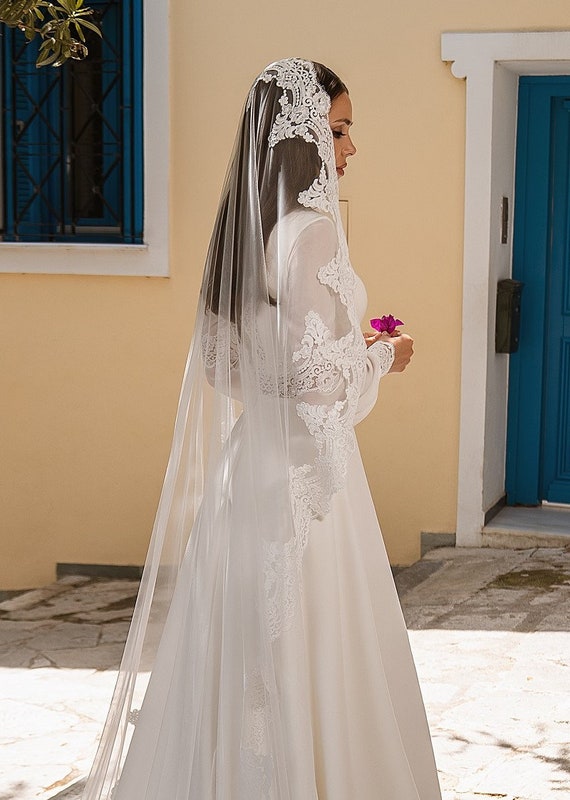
[267, 618]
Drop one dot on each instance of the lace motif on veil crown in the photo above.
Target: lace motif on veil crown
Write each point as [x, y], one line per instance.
[304, 109]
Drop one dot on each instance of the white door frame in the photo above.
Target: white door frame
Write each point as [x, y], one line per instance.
[491, 63]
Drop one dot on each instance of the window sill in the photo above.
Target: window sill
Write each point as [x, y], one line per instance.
[66, 258]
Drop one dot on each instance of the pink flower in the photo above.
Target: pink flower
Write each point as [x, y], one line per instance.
[386, 323]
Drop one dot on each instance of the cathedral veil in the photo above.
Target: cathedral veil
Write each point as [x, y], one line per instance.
[263, 433]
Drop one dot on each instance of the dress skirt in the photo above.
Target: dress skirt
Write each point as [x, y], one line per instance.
[351, 719]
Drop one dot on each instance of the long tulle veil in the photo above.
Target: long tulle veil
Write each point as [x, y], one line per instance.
[263, 432]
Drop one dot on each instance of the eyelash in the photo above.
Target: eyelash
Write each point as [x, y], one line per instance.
[338, 134]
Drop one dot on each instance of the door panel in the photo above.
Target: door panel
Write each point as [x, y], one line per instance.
[538, 439]
[555, 459]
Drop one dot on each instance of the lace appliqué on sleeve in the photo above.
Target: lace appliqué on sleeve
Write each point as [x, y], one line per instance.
[328, 375]
[340, 277]
[322, 362]
[220, 344]
[384, 353]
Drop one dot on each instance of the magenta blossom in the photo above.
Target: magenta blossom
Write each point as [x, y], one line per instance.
[386, 324]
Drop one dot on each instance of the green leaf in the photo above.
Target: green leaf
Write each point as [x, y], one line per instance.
[79, 31]
[44, 62]
[58, 44]
[91, 26]
[67, 6]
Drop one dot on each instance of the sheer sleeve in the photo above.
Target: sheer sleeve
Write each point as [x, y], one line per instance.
[327, 361]
[380, 357]
[318, 322]
[324, 364]
[220, 355]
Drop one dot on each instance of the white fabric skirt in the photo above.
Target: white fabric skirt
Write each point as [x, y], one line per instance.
[351, 719]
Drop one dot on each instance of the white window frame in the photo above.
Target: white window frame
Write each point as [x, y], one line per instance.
[152, 257]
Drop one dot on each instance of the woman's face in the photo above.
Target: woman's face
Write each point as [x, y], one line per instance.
[340, 120]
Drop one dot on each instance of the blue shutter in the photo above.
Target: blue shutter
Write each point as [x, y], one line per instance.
[32, 138]
[73, 152]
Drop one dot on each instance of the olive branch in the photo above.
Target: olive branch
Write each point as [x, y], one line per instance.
[61, 25]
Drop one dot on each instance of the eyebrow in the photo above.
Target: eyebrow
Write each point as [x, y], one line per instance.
[347, 121]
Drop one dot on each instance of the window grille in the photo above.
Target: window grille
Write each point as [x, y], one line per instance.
[72, 136]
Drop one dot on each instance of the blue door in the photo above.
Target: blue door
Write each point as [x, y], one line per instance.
[538, 442]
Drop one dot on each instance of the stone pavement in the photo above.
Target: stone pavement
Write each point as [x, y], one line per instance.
[490, 631]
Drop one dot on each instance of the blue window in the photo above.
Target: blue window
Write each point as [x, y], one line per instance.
[72, 136]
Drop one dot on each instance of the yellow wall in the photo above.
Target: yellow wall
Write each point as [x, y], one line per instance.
[91, 366]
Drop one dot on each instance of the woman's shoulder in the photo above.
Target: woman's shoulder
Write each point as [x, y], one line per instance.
[301, 237]
[301, 225]
[300, 220]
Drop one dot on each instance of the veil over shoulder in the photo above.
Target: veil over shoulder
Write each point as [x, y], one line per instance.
[267, 619]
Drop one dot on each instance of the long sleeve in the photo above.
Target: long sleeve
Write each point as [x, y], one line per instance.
[220, 355]
[380, 357]
[327, 357]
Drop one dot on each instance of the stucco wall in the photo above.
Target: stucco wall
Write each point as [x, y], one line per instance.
[91, 366]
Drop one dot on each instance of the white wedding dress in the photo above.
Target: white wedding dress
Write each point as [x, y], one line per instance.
[342, 707]
[267, 617]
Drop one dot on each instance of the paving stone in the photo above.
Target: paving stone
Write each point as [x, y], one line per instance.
[40, 596]
[107, 656]
[544, 599]
[11, 633]
[40, 661]
[70, 707]
[428, 616]
[499, 598]
[97, 617]
[484, 554]
[497, 697]
[550, 555]
[72, 792]
[522, 774]
[45, 781]
[64, 635]
[15, 657]
[462, 654]
[409, 578]
[114, 632]
[559, 621]
[95, 595]
[454, 795]
[457, 580]
[481, 621]
[440, 694]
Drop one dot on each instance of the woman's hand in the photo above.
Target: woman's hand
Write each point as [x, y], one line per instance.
[403, 347]
[403, 351]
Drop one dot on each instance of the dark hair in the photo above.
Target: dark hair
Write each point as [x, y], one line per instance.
[330, 81]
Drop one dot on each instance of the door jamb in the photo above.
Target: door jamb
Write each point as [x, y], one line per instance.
[491, 63]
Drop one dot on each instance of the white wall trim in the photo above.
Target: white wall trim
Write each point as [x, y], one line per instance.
[476, 57]
[150, 258]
